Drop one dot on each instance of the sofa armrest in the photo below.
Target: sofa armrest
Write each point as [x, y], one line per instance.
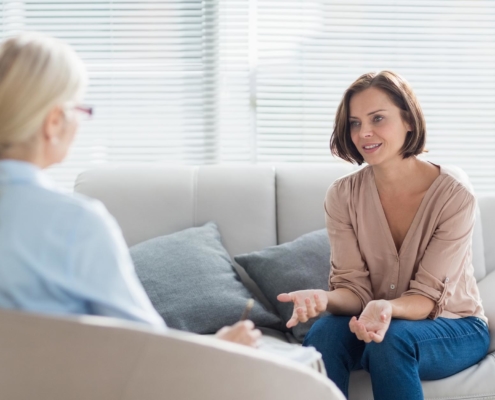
[487, 292]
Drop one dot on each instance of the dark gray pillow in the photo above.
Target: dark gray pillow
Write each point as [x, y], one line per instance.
[190, 280]
[301, 264]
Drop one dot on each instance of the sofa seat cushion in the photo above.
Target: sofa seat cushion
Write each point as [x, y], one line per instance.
[474, 383]
[190, 280]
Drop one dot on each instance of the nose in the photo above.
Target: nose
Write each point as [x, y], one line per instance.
[366, 132]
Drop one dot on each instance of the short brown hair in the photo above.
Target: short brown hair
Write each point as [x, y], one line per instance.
[401, 94]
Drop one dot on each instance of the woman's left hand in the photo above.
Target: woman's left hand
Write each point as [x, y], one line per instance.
[373, 322]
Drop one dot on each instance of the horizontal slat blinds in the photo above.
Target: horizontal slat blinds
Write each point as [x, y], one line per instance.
[311, 51]
[259, 80]
[235, 73]
[150, 77]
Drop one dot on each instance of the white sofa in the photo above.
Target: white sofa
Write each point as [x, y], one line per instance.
[260, 206]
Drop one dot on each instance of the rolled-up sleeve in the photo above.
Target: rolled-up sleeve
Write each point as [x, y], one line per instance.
[448, 253]
[348, 269]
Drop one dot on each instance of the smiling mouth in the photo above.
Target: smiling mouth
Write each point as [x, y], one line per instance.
[372, 146]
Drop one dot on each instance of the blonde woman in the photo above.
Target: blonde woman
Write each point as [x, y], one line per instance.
[403, 299]
[61, 254]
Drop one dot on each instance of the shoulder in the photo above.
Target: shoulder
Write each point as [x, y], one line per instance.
[72, 211]
[456, 184]
[454, 193]
[457, 179]
[342, 189]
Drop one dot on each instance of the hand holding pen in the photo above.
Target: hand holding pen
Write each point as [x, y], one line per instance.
[243, 332]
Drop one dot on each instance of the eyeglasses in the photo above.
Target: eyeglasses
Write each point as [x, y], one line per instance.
[86, 111]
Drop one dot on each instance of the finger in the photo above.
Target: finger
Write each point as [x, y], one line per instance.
[362, 333]
[293, 321]
[352, 324]
[301, 314]
[365, 334]
[358, 331]
[253, 337]
[376, 337]
[284, 297]
[245, 340]
[380, 335]
[223, 330]
[242, 327]
[310, 308]
[256, 333]
[247, 324]
[319, 304]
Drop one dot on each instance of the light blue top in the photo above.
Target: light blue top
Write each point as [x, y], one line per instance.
[62, 253]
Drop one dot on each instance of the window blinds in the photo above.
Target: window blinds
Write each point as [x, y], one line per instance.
[150, 68]
[259, 80]
[311, 51]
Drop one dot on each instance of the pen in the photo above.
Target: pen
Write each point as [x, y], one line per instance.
[247, 310]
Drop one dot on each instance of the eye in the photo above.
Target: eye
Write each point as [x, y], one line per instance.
[354, 124]
[377, 118]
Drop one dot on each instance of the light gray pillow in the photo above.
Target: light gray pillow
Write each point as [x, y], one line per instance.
[190, 280]
[301, 264]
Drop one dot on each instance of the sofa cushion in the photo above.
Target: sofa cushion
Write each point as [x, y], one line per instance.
[301, 264]
[191, 282]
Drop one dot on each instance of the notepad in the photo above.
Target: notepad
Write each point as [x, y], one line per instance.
[308, 356]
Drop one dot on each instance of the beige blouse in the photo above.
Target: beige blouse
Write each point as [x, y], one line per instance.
[434, 259]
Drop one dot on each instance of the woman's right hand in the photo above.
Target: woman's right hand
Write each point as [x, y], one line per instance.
[307, 304]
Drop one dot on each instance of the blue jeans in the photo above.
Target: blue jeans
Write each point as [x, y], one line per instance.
[411, 351]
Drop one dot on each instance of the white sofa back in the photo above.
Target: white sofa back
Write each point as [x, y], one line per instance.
[153, 201]
[253, 206]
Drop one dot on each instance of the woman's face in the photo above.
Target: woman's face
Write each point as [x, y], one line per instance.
[376, 126]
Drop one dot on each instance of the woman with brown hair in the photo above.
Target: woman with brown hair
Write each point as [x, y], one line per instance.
[400, 231]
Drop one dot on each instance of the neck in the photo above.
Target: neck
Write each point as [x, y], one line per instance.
[24, 152]
[397, 175]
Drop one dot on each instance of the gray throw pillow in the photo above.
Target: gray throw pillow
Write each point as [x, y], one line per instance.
[191, 282]
[301, 264]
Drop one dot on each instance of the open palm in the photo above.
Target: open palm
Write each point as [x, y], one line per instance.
[373, 322]
[307, 304]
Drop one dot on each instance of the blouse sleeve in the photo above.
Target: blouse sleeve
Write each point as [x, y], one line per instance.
[348, 269]
[447, 253]
[104, 273]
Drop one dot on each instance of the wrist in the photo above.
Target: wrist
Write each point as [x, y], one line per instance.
[394, 311]
[385, 307]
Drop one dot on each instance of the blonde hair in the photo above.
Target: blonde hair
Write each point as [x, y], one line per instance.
[37, 72]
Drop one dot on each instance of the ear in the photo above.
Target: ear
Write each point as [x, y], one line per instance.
[406, 118]
[53, 125]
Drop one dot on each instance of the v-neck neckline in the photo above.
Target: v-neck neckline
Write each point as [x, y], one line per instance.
[417, 216]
